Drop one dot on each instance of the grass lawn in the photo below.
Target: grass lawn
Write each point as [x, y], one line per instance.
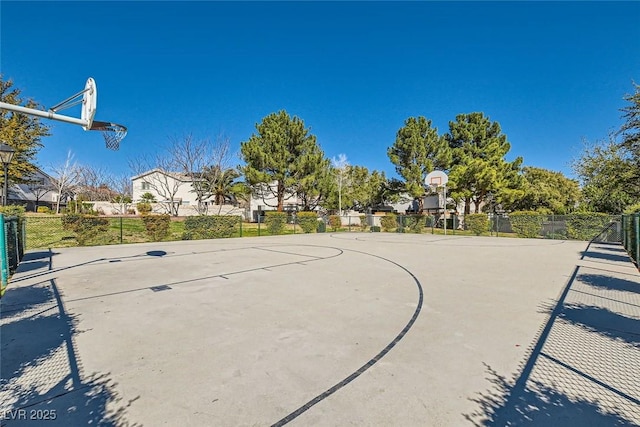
[45, 231]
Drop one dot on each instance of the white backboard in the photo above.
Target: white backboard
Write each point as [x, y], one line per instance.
[436, 179]
[89, 102]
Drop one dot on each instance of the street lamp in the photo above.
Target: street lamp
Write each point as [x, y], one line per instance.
[6, 155]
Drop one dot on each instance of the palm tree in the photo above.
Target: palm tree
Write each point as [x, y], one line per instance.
[221, 184]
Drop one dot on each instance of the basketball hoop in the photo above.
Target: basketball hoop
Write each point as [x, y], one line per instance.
[113, 133]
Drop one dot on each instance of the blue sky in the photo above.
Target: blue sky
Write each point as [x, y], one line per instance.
[551, 73]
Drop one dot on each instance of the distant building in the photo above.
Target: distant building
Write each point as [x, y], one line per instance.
[175, 194]
[39, 190]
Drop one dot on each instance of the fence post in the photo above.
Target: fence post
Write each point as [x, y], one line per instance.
[497, 224]
[624, 231]
[349, 223]
[240, 219]
[4, 258]
[636, 243]
[17, 245]
[120, 230]
[23, 232]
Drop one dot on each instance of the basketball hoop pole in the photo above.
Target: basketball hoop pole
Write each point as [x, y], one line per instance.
[437, 178]
[44, 114]
[445, 208]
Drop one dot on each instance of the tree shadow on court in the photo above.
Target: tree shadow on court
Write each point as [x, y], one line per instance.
[537, 394]
[604, 322]
[610, 283]
[537, 404]
[615, 257]
[611, 247]
[40, 369]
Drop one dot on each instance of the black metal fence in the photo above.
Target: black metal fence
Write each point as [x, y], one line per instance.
[43, 231]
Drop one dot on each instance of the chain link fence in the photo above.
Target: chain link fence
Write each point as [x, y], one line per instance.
[12, 247]
[44, 231]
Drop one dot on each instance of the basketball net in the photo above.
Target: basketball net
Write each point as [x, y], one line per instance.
[112, 133]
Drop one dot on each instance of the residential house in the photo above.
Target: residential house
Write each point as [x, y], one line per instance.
[263, 198]
[38, 190]
[175, 194]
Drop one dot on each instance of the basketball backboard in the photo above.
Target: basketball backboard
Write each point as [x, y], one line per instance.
[89, 101]
[113, 133]
[436, 179]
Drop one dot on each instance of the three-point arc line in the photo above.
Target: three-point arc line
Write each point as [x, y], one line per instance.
[319, 398]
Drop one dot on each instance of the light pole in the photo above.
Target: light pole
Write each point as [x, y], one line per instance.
[6, 155]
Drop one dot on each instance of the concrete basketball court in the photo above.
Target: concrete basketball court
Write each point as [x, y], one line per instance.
[366, 329]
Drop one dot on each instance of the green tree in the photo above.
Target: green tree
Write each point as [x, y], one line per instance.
[221, 184]
[148, 198]
[630, 130]
[608, 177]
[418, 150]
[479, 167]
[317, 181]
[283, 158]
[548, 192]
[20, 131]
[364, 188]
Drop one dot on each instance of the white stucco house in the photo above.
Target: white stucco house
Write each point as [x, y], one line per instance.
[263, 198]
[174, 194]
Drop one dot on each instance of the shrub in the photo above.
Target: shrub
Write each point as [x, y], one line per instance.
[526, 223]
[78, 206]
[143, 208]
[44, 210]
[86, 227]
[375, 229]
[157, 226]
[308, 221]
[586, 225]
[389, 222]
[335, 222]
[558, 235]
[275, 222]
[210, 227]
[363, 223]
[148, 198]
[13, 210]
[414, 223]
[477, 223]
[635, 208]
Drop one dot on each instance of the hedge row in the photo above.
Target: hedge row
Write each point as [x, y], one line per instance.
[275, 222]
[526, 223]
[477, 223]
[86, 227]
[308, 221]
[210, 227]
[580, 225]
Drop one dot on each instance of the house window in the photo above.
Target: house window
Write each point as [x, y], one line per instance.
[145, 185]
[185, 202]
